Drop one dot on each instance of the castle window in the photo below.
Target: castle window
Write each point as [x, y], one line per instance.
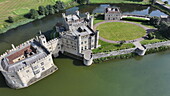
[85, 42]
[12, 76]
[81, 42]
[81, 48]
[43, 68]
[36, 72]
[92, 46]
[85, 47]
[27, 71]
[42, 63]
[58, 47]
[35, 67]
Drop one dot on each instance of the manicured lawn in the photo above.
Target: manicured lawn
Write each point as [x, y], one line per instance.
[108, 47]
[118, 31]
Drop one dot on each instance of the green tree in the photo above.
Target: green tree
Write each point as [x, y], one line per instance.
[83, 1]
[153, 2]
[59, 5]
[166, 2]
[34, 14]
[41, 10]
[51, 9]
[164, 29]
[10, 19]
[151, 35]
[155, 21]
[46, 11]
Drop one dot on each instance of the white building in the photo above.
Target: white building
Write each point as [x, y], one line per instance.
[31, 61]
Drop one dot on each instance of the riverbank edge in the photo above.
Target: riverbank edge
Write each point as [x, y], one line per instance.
[27, 21]
[161, 8]
[151, 49]
[18, 24]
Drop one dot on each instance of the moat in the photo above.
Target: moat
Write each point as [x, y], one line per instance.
[141, 76]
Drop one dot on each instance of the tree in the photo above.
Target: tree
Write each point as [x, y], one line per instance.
[82, 1]
[166, 2]
[153, 2]
[34, 14]
[155, 21]
[41, 10]
[51, 9]
[151, 36]
[164, 29]
[46, 11]
[10, 19]
[87, 1]
[59, 5]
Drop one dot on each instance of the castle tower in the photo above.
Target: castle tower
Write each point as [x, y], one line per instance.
[88, 15]
[96, 39]
[79, 43]
[91, 22]
[77, 13]
[43, 40]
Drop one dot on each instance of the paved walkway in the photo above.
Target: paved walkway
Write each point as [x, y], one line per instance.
[163, 4]
[148, 30]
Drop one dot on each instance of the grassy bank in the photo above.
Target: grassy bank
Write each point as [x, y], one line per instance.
[160, 7]
[124, 56]
[130, 55]
[108, 47]
[18, 8]
[120, 1]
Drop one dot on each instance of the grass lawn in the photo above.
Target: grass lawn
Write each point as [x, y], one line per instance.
[118, 31]
[20, 7]
[120, 1]
[17, 9]
[108, 47]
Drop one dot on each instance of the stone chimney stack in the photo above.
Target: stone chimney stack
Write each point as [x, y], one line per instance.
[13, 46]
[64, 15]
[77, 13]
[88, 15]
[91, 22]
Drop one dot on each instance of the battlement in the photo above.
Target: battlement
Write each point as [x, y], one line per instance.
[35, 63]
[26, 43]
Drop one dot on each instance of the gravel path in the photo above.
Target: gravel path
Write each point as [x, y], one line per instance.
[148, 30]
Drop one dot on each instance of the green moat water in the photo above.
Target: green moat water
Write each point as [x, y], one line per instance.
[140, 76]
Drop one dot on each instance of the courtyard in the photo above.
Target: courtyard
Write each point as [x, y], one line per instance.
[120, 30]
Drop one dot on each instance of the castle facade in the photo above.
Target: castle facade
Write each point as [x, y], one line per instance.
[112, 14]
[32, 61]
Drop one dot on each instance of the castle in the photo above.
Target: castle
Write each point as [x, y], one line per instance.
[31, 61]
[112, 14]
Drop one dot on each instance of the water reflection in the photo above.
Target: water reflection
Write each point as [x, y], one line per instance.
[25, 32]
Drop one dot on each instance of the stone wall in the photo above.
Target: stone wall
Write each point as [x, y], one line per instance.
[126, 51]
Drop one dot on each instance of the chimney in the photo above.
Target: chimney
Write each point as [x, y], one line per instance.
[87, 15]
[77, 13]
[13, 47]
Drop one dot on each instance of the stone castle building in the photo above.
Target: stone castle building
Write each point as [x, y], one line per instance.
[31, 61]
[112, 14]
[165, 18]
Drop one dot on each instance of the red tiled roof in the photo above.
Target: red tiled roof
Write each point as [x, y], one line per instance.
[18, 54]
